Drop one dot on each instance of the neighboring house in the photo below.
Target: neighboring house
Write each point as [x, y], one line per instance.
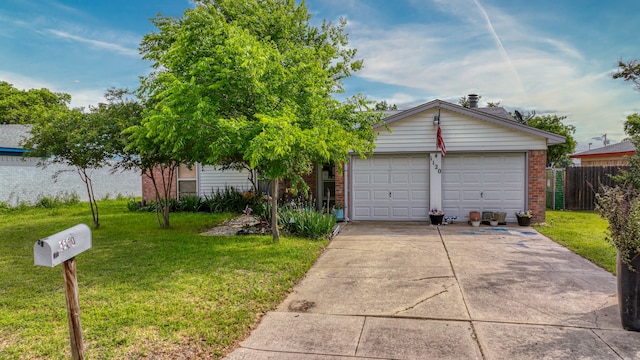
[610, 155]
[22, 180]
[200, 180]
[492, 163]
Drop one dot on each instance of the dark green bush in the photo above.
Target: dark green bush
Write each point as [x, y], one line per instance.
[229, 199]
[307, 223]
[190, 203]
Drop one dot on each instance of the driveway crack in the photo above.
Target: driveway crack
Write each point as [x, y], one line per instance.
[446, 289]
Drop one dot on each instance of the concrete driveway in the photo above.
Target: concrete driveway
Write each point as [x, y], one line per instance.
[414, 291]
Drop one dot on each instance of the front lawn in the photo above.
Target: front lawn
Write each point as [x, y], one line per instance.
[145, 292]
[583, 233]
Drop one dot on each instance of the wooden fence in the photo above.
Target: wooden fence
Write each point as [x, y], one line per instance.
[582, 184]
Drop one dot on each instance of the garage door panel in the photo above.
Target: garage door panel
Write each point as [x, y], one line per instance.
[405, 177]
[420, 195]
[379, 212]
[472, 178]
[491, 182]
[471, 195]
[419, 213]
[380, 179]
[400, 195]
[401, 212]
[362, 211]
[451, 195]
[420, 178]
[362, 179]
[380, 195]
[400, 179]
[361, 196]
[512, 195]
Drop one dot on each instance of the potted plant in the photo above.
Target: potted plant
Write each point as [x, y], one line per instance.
[620, 205]
[436, 216]
[474, 218]
[494, 221]
[338, 212]
[524, 217]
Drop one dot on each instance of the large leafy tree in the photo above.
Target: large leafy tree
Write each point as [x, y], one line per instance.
[557, 155]
[74, 138]
[29, 106]
[252, 82]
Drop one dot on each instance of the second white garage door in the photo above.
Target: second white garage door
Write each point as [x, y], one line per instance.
[391, 187]
[488, 182]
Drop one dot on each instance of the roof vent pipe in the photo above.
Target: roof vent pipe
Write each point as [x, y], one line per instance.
[473, 101]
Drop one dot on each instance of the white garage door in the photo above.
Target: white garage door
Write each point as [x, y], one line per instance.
[391, 187]
[488, 182]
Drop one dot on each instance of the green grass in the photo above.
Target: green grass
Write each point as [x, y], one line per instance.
[583, 233]
[145, 292]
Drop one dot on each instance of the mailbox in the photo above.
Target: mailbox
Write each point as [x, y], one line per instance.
[60, 247]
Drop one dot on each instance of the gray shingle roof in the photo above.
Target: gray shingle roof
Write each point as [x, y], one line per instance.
[11, 135]
[497, 111]
[621, 147]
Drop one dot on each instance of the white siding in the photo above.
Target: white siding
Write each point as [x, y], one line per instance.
[211, 179]
[21, 180]
[461, 133]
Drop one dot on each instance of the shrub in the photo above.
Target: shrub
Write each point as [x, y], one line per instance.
[229, 199]
[57, 201]
[134, 205]
[190, 203]
[307, 223]
[620, 205]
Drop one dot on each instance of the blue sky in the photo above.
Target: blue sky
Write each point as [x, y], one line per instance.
[548, 56]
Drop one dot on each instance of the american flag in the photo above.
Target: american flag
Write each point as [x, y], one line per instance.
[440, 142]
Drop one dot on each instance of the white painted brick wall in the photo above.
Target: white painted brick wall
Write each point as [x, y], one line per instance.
[22, 180]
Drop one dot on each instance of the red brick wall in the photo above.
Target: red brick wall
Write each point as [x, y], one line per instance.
[311, 181]
[148, 191]
[537, 179]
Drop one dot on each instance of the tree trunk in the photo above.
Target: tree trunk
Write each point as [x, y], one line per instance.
[274, 211]
[92, 199]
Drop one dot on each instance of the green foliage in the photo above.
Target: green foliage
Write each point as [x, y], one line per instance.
[632, 125]
[630, 178]
[307, 223]
[620, 205]
[251, 83]
[29, 106]
[229, 200]
[143, 291]
[189, 203]
[556, 154]
[57, 201]
[134, 205]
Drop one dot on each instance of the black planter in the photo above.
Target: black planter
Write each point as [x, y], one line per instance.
[628, 294]
[523, 220]
[436, 219]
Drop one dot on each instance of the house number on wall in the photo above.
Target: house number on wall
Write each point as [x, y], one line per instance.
[435, 165]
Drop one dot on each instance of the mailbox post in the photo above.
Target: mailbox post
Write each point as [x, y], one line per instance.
[62, 248]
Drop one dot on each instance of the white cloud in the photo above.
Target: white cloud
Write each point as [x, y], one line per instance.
[532, 71]
[109, 46]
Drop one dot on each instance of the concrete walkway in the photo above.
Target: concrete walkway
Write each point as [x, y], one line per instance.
[414, 291]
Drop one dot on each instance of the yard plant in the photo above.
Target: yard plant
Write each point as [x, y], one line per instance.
[145, 292]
